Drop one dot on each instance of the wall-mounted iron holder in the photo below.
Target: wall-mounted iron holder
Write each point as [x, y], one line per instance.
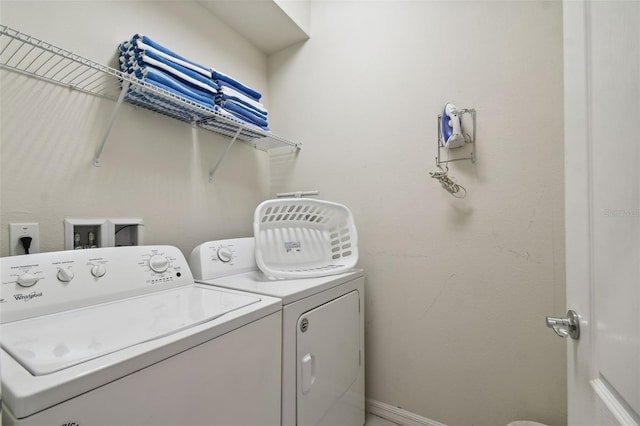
[471, 136]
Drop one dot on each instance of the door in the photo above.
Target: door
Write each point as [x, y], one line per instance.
[328, 354]
[602, 176]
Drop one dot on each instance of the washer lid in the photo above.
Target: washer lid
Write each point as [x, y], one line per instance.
[54, 342]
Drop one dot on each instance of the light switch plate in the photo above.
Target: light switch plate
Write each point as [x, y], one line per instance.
[19, 230]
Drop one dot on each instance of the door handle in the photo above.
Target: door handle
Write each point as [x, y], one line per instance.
[566, 326]
[308, 373]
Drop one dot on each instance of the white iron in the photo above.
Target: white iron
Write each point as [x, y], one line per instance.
[452, 127]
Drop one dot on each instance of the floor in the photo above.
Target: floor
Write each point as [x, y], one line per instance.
[373, 420]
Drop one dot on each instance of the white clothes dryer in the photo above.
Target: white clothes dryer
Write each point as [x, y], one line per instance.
[322, 332]
[124, 336]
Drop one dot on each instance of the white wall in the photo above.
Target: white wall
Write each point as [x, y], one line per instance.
[457, 290]
[154, 167]
[299, 11]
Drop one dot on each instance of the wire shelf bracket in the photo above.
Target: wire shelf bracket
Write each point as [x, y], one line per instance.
[97, 160]
[224, 154]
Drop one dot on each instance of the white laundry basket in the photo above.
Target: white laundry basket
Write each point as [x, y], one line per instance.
[298, 237]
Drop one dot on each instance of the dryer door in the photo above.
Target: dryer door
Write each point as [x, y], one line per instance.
[328, 357]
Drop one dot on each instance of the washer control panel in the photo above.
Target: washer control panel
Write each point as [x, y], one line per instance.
[43, 283]
[220, 258]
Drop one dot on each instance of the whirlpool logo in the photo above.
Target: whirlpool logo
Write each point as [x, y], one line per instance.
[27, 297]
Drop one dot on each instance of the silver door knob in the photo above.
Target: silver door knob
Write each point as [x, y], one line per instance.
[566, 326]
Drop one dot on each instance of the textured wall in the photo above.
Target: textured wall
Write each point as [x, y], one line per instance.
[457, 290]
[154, 167]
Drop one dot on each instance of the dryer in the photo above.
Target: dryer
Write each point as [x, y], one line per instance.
[322, 332]
[124, 336]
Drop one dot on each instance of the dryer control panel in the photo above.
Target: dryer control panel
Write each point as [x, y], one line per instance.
[44, 283]
[215, 259]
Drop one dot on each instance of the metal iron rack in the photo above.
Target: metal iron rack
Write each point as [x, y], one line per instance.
[28, 55]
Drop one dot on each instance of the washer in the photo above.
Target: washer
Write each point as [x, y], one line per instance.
[124, 336]
[322, 332]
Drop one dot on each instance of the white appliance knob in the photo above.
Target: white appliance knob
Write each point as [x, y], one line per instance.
[65, 275]
[158, 263]
[98, 270]
[27, 280]
[224, 254]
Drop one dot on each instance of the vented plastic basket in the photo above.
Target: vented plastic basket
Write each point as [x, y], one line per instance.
[297, 237]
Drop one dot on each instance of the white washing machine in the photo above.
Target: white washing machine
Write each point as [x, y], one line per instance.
[124, 336]
[322, 332]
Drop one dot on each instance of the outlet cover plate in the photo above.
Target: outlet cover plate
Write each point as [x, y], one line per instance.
[19, 230]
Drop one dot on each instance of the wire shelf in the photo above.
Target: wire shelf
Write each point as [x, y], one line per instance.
[28, 55]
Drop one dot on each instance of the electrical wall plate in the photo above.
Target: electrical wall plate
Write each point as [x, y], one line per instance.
[19, 230]
[126, 232]
[86, 233]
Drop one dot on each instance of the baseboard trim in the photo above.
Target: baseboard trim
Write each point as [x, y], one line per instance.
[398, 415]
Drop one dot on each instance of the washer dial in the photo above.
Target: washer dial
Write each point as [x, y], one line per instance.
[27, 280]
[158, 263]
[65, 275]
[98, 270]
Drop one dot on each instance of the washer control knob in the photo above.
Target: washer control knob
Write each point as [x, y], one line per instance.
[27, 280]
[65, 274]
[158, 263]
[224, 254]
[98, 270]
